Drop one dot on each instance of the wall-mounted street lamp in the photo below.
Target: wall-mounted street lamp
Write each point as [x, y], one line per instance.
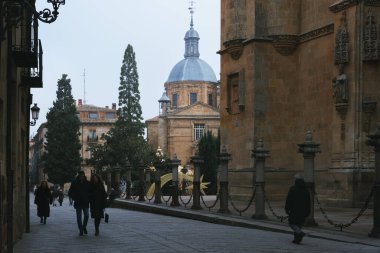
[46, 15]
[35, 113]
[13, 10]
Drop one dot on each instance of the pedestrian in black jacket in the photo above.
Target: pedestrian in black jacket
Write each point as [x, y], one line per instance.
[298, 207]
[98, 200]
[42, 199]
[80, 193]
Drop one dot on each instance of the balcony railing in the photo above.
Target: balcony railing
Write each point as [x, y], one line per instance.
[25, 45]
[32, 77]
[92, 139]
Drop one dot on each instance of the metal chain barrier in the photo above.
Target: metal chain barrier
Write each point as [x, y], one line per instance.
[279, 217]
[249, 203]
[355, 219]
[166, 201]
[188, 202]
[213, 205]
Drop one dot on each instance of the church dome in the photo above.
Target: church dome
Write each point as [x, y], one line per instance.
[192, 68]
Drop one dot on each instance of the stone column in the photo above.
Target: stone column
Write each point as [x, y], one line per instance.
[174, 163]
[374, 140]
[197, 162]
[260, 154]
[309, 148]
[224, 158]
[157, 182]
[128, 179]
[142, 181]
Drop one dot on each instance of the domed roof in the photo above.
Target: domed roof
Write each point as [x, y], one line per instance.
[192, 68]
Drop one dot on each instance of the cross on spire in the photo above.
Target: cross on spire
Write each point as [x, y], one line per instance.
[191, 8]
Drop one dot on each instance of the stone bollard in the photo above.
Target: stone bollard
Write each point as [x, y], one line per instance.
[174, 163]
[374, 140]
[109, 179]
[128, 179]
[260, 154]
[142, 181]
[309, 148]
[197, 161]
[224, 158]
[117, 179]
[157, 182]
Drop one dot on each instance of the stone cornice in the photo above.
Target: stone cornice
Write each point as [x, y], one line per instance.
[342, 5]
[328, 29]
[345, 4]
[285, 44]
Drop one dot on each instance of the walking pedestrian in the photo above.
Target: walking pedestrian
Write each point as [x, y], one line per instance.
[55, 196]
[98, 200]
[60, 197]
[42, 199]
[298, 207]
[80, 193]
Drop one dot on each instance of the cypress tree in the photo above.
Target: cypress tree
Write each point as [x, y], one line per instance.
[62, 158]
[126, 139]
[208, 148]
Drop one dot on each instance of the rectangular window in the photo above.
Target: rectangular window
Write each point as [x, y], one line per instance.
[92, 136]
[110, 115]
[210, 100]
[93, 115]
[193, 98]
[175, 100]
[199, 130]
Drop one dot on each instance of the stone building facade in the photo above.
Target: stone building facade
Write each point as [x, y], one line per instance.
[297, 65]
[189, 107]
[94, 122]
[20, 71]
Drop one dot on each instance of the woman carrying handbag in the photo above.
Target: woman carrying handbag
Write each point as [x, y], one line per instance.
[98, 200]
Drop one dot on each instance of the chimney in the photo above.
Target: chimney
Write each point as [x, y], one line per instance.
[79, 102]
[106, 106]
[114, 106]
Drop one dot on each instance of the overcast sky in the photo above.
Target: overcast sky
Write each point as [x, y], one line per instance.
[93, 35]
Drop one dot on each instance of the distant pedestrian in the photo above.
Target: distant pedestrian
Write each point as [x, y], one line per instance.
[80, 193]
[42, 199]
[298, 207]
[98, 200]
[60, 197]
[55, 196]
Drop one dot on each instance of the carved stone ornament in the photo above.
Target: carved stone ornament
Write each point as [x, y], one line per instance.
[372, 3]
[342, 109]
[340, 87]
[370, 41]
[285, 44]
[341, 42]
[234, 48]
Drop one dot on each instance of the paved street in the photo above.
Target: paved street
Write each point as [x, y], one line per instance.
[130, 231]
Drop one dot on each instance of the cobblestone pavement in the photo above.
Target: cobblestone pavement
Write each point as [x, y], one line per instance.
[131, 231]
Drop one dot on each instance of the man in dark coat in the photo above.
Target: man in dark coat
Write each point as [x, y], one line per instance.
[297, 207]
[80, 192]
